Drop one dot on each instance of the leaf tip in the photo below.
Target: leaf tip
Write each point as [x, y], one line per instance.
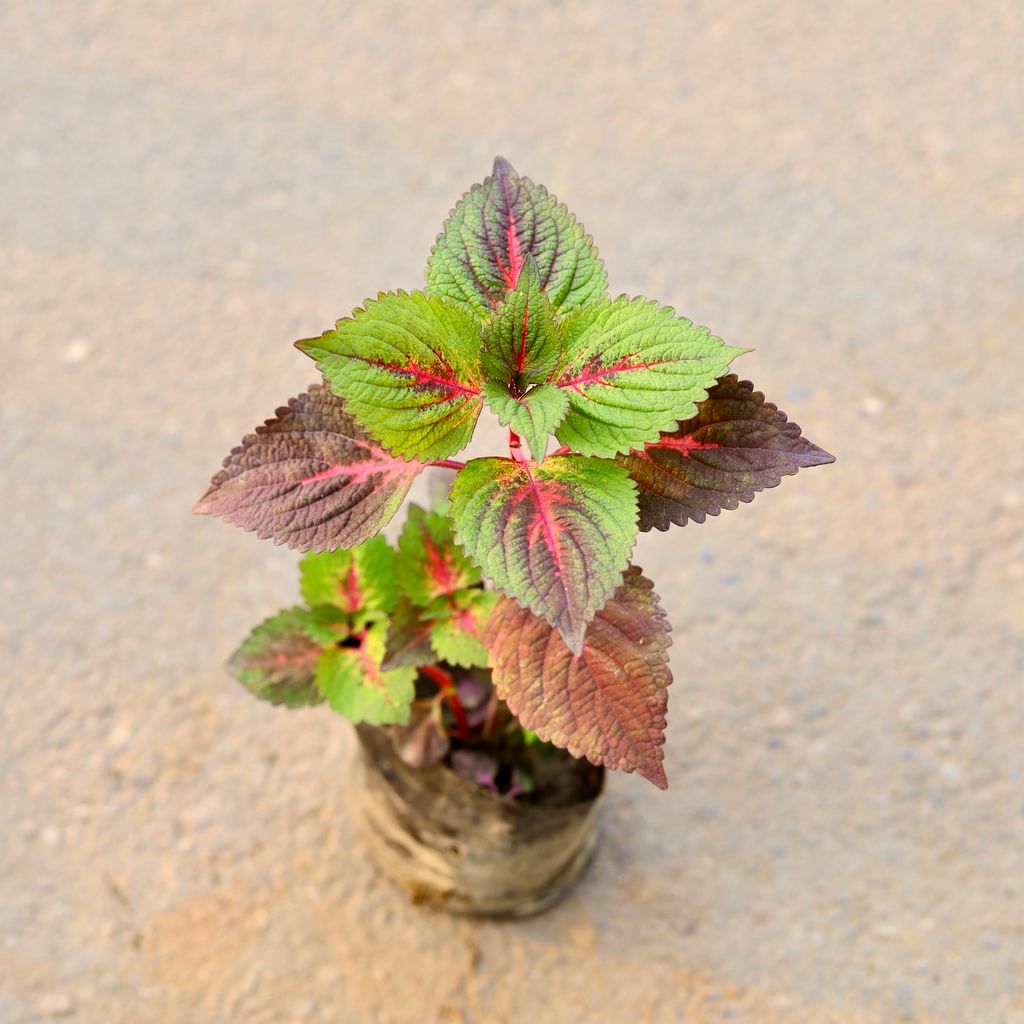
[502, 168]
[818, 457]
[202, 506]
[655, 773]
[574, 640]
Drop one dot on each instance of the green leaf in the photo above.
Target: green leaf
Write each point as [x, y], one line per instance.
[534, 415]
[631, 369]
[430, 564]
[458, 632]
[408, 367]
[608, 702]
[278, 659]
[521, 343]
[555, 536]
[355, 685]
[326, 623]
[310, 478]
[736, 445]
[491, 231]
[358, 579]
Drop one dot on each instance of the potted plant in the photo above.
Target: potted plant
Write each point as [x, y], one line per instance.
[507, 651]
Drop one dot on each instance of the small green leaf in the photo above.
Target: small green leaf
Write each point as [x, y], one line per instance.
[356, 579]
[326, 623]
[408, 368]
[430, 564]
[521, 343]
[534, 415]
[555, 536]
[631, 369]
[355, 685]
[491, 231]
[278, 659]
[458, 632]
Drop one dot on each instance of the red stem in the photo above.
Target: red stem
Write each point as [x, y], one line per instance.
[451, 695]
[564, 450]
[448, 464]
[515, 446]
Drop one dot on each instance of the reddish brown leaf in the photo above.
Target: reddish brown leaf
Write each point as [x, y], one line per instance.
[310, 478]
[607, 704]
[736, 445]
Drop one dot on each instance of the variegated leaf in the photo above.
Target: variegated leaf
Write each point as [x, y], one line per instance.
[360, 579]
[310, 478]
[608, 703]
[556, 536]
[521, 343]
[408, 637]
[533, 415]
[736, 445]
[458, 631]
[356, 686]
[408, 367]
[277, 660]
[631, 369]
[430, 564]
[491, 231]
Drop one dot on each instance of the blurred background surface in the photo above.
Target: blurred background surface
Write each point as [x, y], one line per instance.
[188, 187]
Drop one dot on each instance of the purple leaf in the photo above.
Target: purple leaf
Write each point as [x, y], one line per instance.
[477, 767]
[310, 478]
[736, 445]
[423, 742]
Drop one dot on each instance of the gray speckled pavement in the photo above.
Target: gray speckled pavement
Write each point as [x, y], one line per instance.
[187, 187]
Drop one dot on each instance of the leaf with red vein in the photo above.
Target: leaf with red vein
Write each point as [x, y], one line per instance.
[277, 660]
[408, 367]
[521, 343]
[356, 686]
[430, 564]
[310, 478]
[491, 231]
[533, 415]
[408, 637]
[736, 445]
[357, 580]
[458, 631]
[631, 369]
[555, 536]
[607, 704]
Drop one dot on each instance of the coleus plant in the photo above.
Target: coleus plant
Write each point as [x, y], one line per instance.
[651, 429]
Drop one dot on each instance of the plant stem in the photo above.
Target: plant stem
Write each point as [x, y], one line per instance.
[515, 446]
[448, 464]
[564, 450]
[491, 714]
[451, 695]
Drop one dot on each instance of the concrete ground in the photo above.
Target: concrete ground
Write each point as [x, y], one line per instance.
[187, 187]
